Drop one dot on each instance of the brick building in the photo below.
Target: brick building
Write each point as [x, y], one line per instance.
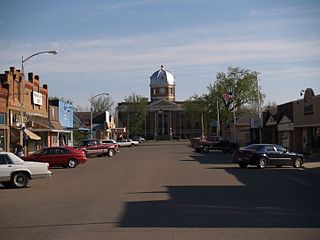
[26, 108]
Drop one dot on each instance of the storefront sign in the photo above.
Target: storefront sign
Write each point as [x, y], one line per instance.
[37, 98]
[255, 123]
[285, 127]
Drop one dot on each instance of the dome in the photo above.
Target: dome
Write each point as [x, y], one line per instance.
[162, 77]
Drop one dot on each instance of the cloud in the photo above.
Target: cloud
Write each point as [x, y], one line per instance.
[114, 55]
[306, 10]
[191, 53]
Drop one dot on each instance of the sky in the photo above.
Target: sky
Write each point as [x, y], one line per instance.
[115, 46]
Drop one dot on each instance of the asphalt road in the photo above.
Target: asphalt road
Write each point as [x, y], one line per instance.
[164, 190]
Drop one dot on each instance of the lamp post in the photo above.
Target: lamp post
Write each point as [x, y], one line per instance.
[91, 99]
[23, 61]
[259, 113]
[218, 119]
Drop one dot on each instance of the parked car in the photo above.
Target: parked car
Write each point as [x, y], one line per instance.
[105, 141]
[94, 147]
[263, 155]
[205, 144]
[58, 156]
[139, 139]
[127, 142]
[14, 172]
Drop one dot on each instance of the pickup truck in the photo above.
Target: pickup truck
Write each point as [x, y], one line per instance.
[94, 147]
[205, 144]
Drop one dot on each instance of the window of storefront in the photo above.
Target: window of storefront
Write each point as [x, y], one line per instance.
[314, 134]
[2, 140]
[2, 118]
[285, 139]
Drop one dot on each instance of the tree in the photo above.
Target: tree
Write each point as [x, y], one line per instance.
[197, 109]
[271, 107]
[236, 89]
[136, 109]
[101, 103]
[60, 99]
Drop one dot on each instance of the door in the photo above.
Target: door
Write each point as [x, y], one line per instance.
[48, 156]
[5, 168]
[305, 140]
[283, 157]
[163, 124]
[272, 155]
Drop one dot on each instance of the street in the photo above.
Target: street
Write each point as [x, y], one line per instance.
[164, 190]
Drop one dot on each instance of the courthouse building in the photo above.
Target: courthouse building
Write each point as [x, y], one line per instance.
[166, 118]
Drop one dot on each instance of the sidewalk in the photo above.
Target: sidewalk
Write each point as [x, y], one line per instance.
[312, 162]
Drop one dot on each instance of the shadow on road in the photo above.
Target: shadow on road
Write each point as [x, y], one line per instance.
[269, 198]
[225, 206]
[213, 157]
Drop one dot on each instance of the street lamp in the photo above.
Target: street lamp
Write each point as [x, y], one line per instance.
[91, 99]
[259, 113]
[23, 61]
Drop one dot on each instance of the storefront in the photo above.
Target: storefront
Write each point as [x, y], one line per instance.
[307, 123]
[285, 132]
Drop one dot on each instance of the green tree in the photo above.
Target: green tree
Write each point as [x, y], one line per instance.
[198, 111]
[236, 89]
[136, 109]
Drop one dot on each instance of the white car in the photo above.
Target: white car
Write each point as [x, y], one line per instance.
[16, 173]
[127, 143]
[108, 141]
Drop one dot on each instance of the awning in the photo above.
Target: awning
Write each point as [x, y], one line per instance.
[56, 125]
[31, 135]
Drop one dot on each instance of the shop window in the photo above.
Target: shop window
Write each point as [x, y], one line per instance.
[2, 140]
[2, 118]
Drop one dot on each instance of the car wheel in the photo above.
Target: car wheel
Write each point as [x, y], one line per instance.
[206, 149]
[243, 165]
[72, 163]
[19, 180]
[297, 162]
[110, 152]
[262, 163]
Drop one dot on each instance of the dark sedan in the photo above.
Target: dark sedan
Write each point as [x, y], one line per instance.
[58, 156]
[263, 155]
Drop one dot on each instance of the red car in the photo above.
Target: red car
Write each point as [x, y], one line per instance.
[58, 156]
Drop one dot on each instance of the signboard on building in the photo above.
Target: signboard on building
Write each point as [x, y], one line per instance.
[285, 127]
[254, 123]
[37, 98]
